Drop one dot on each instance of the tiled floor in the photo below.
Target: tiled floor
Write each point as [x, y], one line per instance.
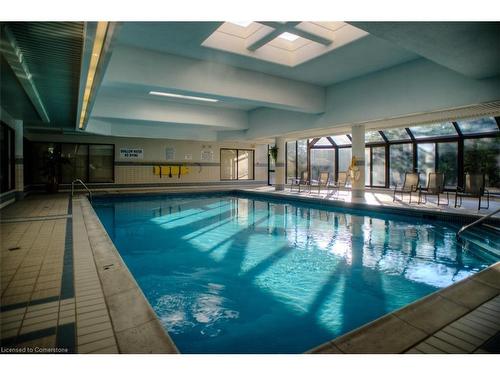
[63, 286]
[475, 332]
[51, 294]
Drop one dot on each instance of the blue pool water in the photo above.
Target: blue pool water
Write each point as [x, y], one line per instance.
[236, 274]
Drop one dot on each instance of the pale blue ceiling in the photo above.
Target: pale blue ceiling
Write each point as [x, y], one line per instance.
[469, 48]
[366, 55]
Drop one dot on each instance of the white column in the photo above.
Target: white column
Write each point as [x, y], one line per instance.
[358, 152]
[19, 159]
[280, 165]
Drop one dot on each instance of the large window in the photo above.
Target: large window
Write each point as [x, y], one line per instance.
[373, 137]
[426, 160]
[345, 156]
[88, 162]
[301, 157]
[445, 129]
[378, 166]
[322, 161]
[448, 147]
[401, 161]
[271, 169]
[397, 134]
[482, 155]
[480, 125]
[447, 162]
[7, 158]
[291, 160]
[368, 165]
[77, 167]
[375, 166]
[236, 164]
[101, 166]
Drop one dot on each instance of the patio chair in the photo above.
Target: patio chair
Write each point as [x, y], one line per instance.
[435, 186]
[341, 182]
[302, 181]
[323, 181]
[410, 185]
[474, 187]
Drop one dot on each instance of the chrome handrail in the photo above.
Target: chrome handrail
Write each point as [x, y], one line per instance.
[478, 221]
[83, 184]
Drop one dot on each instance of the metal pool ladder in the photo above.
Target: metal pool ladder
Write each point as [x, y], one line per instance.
[478, 221]
[83, 184]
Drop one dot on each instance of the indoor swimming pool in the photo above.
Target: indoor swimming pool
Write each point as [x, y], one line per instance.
[237, 273]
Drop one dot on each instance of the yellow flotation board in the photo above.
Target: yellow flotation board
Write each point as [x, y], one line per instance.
[170, 170]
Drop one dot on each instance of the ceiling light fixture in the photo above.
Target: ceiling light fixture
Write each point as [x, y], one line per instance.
[288, 36]
[241, 23]
[171, 95]
[99, 38]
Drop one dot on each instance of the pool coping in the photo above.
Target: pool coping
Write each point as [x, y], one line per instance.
[404, 328]
[394, 332]
[137, 328]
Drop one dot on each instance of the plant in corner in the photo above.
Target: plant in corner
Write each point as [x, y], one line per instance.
[273, 151]
[52, 162]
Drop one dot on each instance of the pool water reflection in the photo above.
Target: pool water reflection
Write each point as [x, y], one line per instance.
[234, 274]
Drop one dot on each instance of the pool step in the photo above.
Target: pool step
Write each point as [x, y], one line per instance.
[478, 243]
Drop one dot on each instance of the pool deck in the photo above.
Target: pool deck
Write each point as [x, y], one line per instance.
[65, 288]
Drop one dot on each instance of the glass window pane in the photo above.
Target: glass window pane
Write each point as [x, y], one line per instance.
[401, 161]
[323, 142]
[301, 156]
[480, 125]
[345, 156]
[341, 140]
[368, 176]
[373, 136]
[101, 163]
[322, 161]
[245, 165]
[78, 162]
[447, 162]
[396, 134]
[378, 161]
[483, 155]
[272, 162]
[426, 156]
[7, 177]
[228, 164]
[444, 129]
[291, 157]
[39, 153]
[272, 178]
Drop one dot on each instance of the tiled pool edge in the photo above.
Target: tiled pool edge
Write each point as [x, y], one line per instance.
[135, 324]
[403, 329]
[420, 211]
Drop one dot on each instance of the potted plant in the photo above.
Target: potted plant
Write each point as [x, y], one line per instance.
[52, 162]
[273, 151]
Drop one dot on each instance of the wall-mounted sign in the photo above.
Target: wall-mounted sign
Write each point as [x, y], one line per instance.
[170, 153]
[188, 156]
[207, 155]
[131, 153]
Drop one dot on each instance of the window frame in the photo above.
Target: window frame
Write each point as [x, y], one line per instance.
[237, 164]
[8, 158]
[57, 145]
[459, 138]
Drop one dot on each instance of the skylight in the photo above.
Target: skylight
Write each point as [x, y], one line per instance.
[241, 23]
[171, 95]
[288, 36]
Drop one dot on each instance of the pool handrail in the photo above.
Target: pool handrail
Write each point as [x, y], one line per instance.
[83, 184]
[478, 221]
